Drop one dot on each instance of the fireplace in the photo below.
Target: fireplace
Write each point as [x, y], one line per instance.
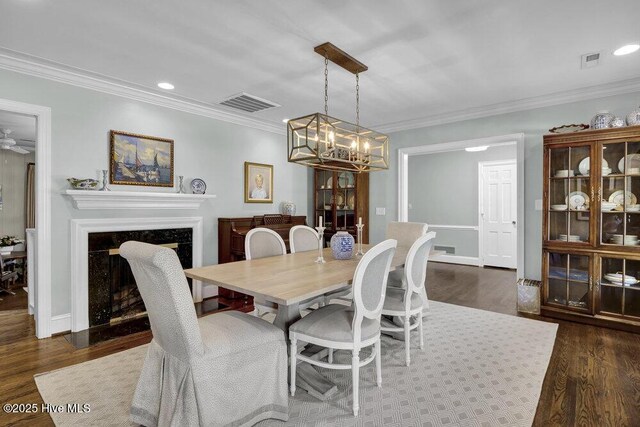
[113, 293]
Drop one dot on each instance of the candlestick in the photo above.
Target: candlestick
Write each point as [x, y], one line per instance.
[360, 226]
[320, 259]
[319, 221]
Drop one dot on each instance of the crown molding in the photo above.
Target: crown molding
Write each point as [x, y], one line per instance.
[39, 67]
[558, 98]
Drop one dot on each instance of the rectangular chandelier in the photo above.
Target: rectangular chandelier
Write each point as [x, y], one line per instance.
[324, 142]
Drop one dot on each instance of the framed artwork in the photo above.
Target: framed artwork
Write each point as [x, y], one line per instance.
[258, 183]
[140, 160]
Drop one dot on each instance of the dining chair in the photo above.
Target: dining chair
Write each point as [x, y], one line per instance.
[8, 276]
[226, 368]
[407, 303]
[302, 238]
[336, 326]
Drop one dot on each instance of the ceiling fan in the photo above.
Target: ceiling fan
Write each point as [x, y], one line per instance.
[7, 143]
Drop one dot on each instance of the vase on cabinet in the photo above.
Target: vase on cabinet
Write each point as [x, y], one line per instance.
[633, 118]
[602, 120]
[342, 245]
[288, 208]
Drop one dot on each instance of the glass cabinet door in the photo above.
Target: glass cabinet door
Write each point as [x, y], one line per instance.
[346, 201]
[569, 194]
[620, 210]
[569, 280]
[619, 287]
[324, 197]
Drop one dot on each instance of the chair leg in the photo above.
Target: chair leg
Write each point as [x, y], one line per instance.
[355, 374]
[378, 364]
[407, 342]
[330, 355]
[293, 350]
[421, 332]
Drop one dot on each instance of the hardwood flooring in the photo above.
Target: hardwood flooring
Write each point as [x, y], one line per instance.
[14, 302]
[593, 377]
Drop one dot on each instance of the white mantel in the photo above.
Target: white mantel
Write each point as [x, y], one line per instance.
[92, 199]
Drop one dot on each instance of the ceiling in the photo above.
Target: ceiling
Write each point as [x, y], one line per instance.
[23, 128]
[426, 58]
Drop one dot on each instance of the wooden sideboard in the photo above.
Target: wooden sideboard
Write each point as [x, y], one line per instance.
[232, 232]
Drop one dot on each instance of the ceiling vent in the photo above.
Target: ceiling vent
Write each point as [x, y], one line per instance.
[590, 60]
[249, 103]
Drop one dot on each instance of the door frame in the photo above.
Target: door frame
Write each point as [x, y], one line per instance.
[43, 210]
[509, 139]
[481, 165]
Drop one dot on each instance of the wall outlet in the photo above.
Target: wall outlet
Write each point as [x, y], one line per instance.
[538, 205]
[381, 211]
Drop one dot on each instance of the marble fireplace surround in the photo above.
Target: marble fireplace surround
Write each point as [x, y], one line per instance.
[80, 229]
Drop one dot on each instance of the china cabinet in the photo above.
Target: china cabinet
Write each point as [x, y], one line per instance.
[341, 198]
[591, 227]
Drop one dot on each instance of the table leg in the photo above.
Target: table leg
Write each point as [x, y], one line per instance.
[307, 377]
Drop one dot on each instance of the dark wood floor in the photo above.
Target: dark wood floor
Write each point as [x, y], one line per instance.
[14, 302]
[593, 377]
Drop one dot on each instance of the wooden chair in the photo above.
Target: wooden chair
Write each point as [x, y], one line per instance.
[8, 276]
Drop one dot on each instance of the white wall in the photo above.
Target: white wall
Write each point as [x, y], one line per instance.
[13, 179]
[205, 148]
[443, 189]
[533, 123]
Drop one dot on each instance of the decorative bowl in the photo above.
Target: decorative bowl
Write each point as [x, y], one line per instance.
[633, 118]
[563, 173]
[83, 183]
[602, 120]
[617, 122]
[559, 207]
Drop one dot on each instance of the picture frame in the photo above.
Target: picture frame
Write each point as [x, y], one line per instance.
[258, 183]
[137, 159]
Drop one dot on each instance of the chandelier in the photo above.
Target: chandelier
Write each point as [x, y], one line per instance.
[320, 141]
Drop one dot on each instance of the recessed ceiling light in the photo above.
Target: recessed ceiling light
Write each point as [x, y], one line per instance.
[478, 148]
[627, 49]
[165, 85]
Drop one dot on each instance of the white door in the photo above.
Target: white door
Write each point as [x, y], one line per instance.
[498, 214]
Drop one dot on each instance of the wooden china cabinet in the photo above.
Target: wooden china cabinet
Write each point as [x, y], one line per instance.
[341, 198]
[591, 227]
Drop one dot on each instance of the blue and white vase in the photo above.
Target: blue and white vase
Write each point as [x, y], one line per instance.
[602, 120]
[288, 208]
[342, 245]
[633, 118]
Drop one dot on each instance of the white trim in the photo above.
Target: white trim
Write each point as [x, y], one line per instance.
[39, 67]
[565, 97]
[80, 229]
[86, 199]
[456, 259]
[454, 227]
[493, 141]
[43, 211]
[61, 323]
[481, 201]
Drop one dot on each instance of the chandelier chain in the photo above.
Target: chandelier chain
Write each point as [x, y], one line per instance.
[326, 85]
[358, 100]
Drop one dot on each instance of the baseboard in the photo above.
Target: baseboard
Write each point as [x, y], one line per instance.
[456, 259]
[60, 323]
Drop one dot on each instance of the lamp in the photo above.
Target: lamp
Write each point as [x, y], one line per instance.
[320, 141]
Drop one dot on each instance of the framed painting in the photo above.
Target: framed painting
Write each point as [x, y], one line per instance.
[140, 160]
[258, 183]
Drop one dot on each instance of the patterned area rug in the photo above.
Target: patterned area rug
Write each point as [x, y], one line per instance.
[478, 369]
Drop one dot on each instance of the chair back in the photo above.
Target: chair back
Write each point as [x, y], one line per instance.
[165, 292]
[302, 239]
[370, 283]
[416, 264]
[263, 242]
[406, 232]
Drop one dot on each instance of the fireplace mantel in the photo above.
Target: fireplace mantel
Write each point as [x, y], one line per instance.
[88, 199]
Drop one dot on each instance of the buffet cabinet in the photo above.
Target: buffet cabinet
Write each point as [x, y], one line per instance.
[341, 198]
[591, 227]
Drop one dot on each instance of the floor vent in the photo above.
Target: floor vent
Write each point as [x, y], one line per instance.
[449, 250]
[249, 103]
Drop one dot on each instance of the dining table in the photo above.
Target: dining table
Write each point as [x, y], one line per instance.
[286, 281]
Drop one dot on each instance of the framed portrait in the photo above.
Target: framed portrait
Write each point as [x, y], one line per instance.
[140, 160]
[258, 183]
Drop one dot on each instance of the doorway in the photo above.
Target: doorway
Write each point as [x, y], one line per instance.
[459, 224]
[38, 249]
[497, 213]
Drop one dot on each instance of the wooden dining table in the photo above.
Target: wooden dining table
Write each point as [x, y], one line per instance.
[286, 281]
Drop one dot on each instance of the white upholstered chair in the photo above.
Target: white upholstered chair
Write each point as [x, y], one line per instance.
[302, 238]
[336, 326]
[223, 369]
[405, 233]
[259, 243]
[407, 303]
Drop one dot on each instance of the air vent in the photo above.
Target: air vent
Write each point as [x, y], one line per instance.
[590, 60]
[449, 250]
[249, 103]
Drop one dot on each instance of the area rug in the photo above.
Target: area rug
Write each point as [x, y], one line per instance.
[478, 368]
